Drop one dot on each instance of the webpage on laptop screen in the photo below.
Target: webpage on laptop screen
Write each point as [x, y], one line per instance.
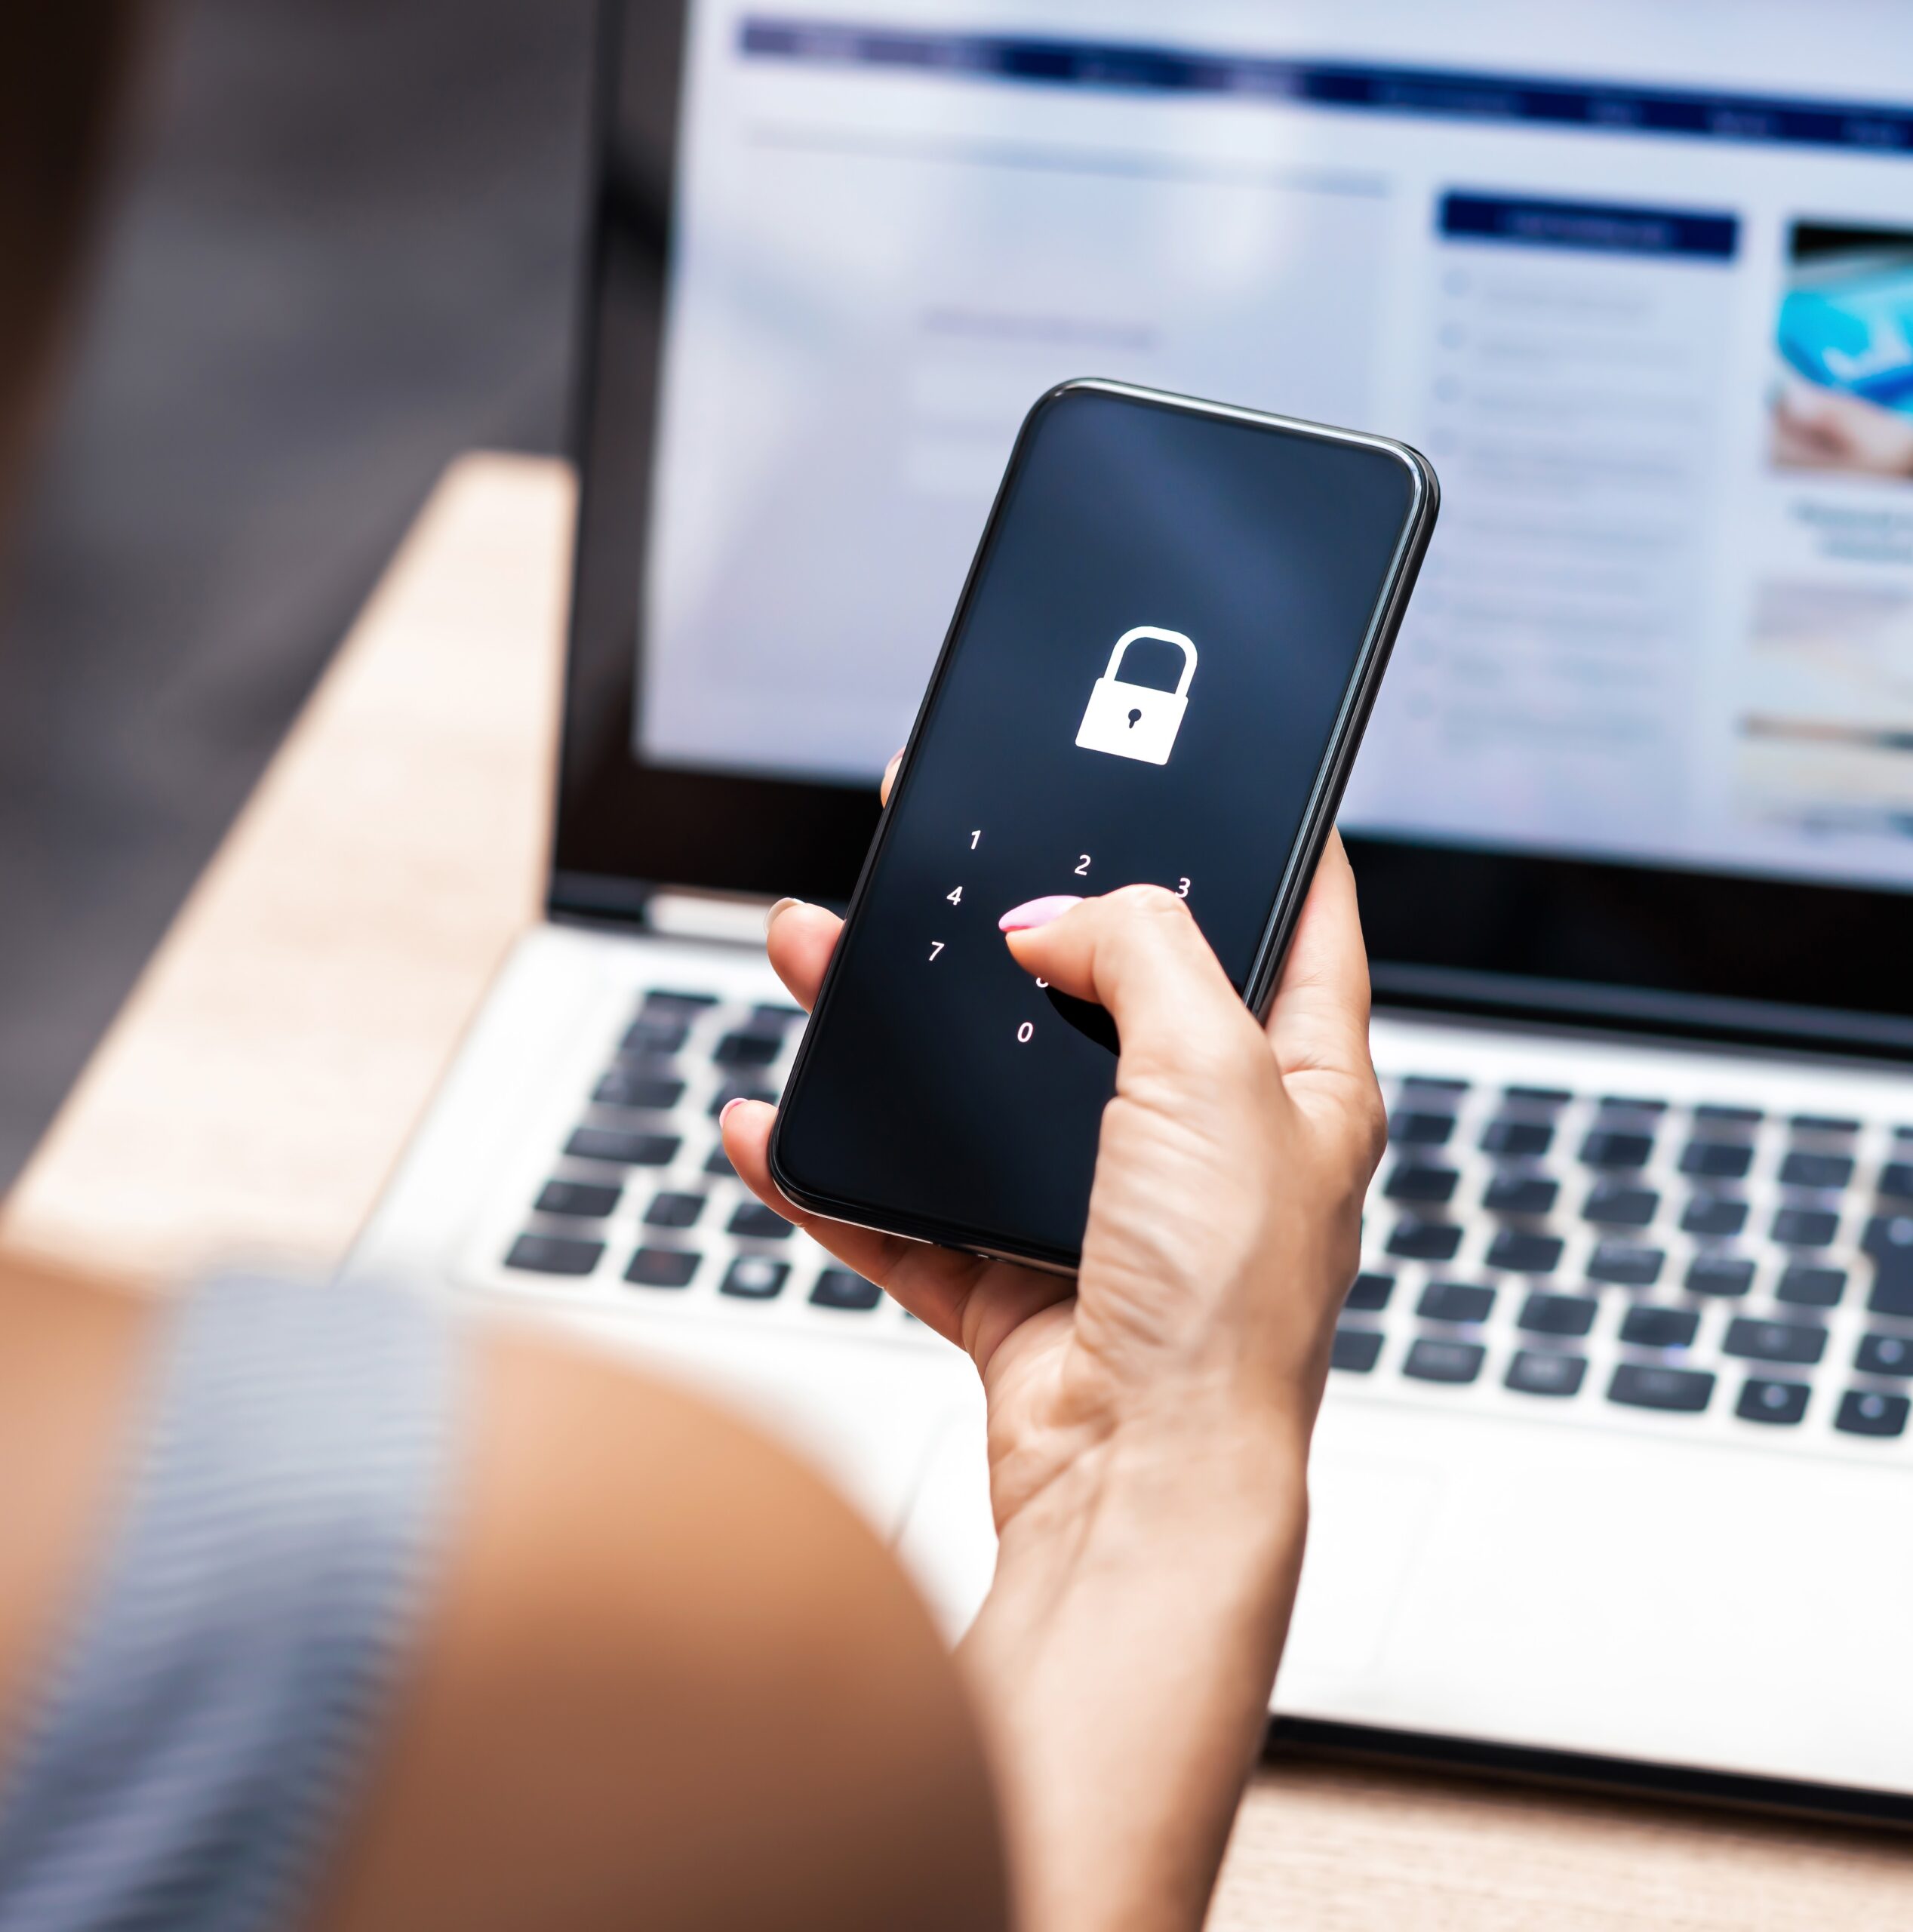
[1638, 279]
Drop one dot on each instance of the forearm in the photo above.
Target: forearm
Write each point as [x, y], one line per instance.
[1124, 1661]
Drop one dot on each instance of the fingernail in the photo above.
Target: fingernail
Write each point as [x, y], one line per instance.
[1033, 912]
[782, 905]
[723, 1112]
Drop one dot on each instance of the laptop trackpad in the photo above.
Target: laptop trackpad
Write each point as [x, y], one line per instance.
[1367, 1516]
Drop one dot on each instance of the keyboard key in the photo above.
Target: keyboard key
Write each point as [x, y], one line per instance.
[1536, 1372]
[1545, 1314]
[1607, 1148]
[1455, 1301]
[580, 1199]
[1889, 1241]
[1426, 1240]
[774, 1018]
[1647, 1327]
[1715, 1214]
[1720, 1275]
[1444, 1362]
[757, 1223]
[1884, 1354]
[1801, 1169]
[1414, 1181]
[1626, 1104]
[1518, 1138]
[1628, 1263]
[1369, 1293]
[748, 1049]
[642, 1092]
[1896, 1180]
[661, 1005]
[654, 1039]
[1419, 1089]
[672, 1210]
[554, 1254]
[1764, 1400]
[1537, 1097]
[1823, 1124]
[662, 1267]
[740, 1090]
[1355, 1351]
[1805, 1227]
[622, 1149]
[1807, 1287]
[1720, 1116]
[1800, 1343]
[1863, 1413]
[1685, 1390]
[1521, 1194]
[754, 1278]
[719, 1164]
[837, 1287]
[1409, 1127]
[1717, 1160]
[1617, 1204]
[1520, 1253]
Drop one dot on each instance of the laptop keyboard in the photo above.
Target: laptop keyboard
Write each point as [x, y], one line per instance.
[1618, 1259]
[1625, 1252]
[640, 1194]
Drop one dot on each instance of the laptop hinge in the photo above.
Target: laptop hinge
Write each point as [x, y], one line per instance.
[733, 918]
[728, 918]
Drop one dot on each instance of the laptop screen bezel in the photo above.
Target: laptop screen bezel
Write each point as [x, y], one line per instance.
[1483, 931]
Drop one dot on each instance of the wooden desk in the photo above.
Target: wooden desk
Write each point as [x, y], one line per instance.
[271, 1061]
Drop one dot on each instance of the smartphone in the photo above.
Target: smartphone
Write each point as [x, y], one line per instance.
[1159, 670]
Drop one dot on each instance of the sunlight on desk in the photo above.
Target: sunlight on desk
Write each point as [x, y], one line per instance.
[262, 1079]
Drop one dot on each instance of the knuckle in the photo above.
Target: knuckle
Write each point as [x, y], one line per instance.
[1231, 1063]
[1210, 1062]
[1371, 1131]
[1150, 901]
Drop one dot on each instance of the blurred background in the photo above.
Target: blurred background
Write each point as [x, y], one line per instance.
[343, 250]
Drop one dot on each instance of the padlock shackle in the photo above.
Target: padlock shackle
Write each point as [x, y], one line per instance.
[1165, 636]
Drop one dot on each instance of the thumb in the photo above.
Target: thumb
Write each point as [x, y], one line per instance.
[1138, 952]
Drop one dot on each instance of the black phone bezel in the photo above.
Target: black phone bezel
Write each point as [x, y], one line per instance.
[1299, 866]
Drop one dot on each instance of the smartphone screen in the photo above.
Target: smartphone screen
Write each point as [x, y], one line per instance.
[1166, 648]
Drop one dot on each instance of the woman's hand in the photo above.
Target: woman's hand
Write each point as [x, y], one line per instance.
[1148, 1427]
[1230, 1162]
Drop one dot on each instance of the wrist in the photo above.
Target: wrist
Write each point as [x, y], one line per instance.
[1196, 1505]
[1123, 1662]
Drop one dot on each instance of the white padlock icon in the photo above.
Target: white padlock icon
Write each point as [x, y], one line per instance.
[1136, 721]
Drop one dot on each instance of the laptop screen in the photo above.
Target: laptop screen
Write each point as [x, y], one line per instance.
[1638, 279]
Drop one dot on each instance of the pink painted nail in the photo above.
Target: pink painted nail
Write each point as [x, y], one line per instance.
[1034, 912]
[724, 1113]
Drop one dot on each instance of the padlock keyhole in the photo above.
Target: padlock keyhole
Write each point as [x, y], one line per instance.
[1135, 718]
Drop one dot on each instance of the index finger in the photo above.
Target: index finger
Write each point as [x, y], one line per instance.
[1319, 1019]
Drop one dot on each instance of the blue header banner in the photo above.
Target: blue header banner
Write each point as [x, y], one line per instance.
[1602, 226]
[1607, 107]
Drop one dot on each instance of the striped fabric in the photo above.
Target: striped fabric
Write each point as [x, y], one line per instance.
[197, 1754]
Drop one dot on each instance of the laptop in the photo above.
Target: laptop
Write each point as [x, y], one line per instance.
[1615, 1475]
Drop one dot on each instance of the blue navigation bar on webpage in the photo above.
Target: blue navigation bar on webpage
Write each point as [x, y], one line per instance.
[1609, 107]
